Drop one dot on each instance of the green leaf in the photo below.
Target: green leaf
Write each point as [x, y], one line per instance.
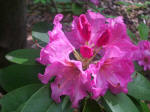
[15, 98]
[40, 33]
[147, 3]
[123, 3]
[77, 9]
[91, 106]
[132, 36]
[24, 56]
[144, 107]
[105, 105]
[110, 16]
[15, 76]
[141, 105]
[64, 106]
[120, 103]
[143, 31]
[137, 67]
[41, 102]
[138, 4]
[63, 1]
[140, 87]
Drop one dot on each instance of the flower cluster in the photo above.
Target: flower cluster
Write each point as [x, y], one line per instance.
[95, 56]
[143, 54]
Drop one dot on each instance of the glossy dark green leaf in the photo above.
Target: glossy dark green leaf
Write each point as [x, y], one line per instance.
[40, 33]
[15, 98]
[139, 87]
[105, 105]
[24, 56]
[120, 103]
[143, 31]
[15, 76]
[41, 102]
[64, 106]
[91, 106]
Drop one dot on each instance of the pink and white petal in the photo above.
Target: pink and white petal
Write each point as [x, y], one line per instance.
[59, 48]
[100, 87]
[75, 39]
[98, 25]
[44, 56]
[94, 15]
[78, 92]
[118, 29]
[118, 73]
[112, 52]
[74, 35]
[98, 83]
[50, 71]
[60, 87]
[70, 80]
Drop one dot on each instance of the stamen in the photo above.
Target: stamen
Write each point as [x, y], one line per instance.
[87, 62]
[76, 54]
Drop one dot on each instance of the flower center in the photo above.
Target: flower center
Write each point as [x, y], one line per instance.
[76, 55]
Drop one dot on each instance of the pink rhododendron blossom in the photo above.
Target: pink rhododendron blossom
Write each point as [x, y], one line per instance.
[70, 79]
[143, 54]
[102, 54]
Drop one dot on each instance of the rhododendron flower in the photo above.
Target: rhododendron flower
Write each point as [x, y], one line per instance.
[70, 78]
[102, 57]
[143, 54]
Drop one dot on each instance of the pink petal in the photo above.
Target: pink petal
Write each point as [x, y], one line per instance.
[104, 38]
[98, 25]
[74, 35]
[59, 48]
[117, 73]
[99, 84]
[69, 81]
